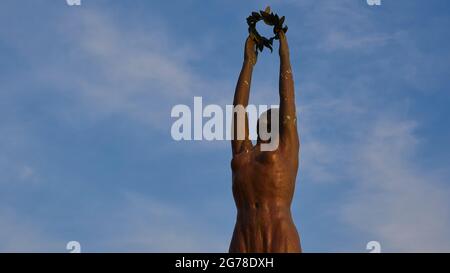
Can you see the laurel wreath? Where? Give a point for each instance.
(271, 19)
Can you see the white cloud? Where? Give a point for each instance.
(110, 68)
(145, 224)
(395, 200)
(27, 173)
(372, 155)
(336, 40)
(340, 25)
(14, 164)
(21, 235)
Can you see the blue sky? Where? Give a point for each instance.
(85, 146)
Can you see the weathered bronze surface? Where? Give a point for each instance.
(264, 181)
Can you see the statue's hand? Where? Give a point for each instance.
(250, 51)
(282, 35)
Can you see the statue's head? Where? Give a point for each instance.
(268, 126)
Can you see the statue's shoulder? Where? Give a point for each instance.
(241, 159)
(244, 157)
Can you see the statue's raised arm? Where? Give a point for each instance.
(241, 140)
(288, 119)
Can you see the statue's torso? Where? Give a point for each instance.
(263, 187)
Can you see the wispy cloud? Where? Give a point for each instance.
(359, 141)
(395, 200)
(146, 224)
(19, 234)
(336, 40)
(135, 73)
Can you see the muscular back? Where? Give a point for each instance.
(262, 178)
(263, 187)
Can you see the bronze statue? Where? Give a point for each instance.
(264, 181)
